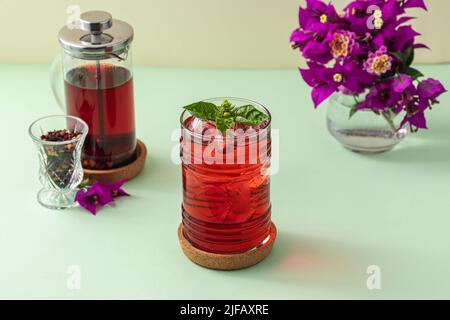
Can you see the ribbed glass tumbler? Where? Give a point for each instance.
(226, 184)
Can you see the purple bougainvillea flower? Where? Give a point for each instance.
(420, 100)
(415, 113)
(343, 44)
(369, 47)
(317, 21)
(430, 89)
(390, 10)
(95, 196)
(99, 195)
(366, 17)
(356, 79)
(347, 77)
(401, 83)
(356, 16)
(325, 81)
(317, 77)
(402, 38)
(380, 20)
(415, 4)
(381, 97)
(310, 48)
(396, 39)
(415, 117)
(319, 51)
(116, 190)
(318, 18)
(301, 38)
(379, 62)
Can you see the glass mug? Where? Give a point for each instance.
(97, 86)
(226, 204)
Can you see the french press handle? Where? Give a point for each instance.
(57, 81)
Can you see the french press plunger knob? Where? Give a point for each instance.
(95, 22)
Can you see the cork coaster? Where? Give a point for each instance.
(127, 172)
(233, 261)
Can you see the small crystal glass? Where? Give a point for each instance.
(60, 161)
(364, 132)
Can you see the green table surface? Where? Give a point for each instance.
(337, 212)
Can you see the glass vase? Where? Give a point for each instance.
(60, 171)
(365, 131)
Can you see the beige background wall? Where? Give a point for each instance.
(191, 33)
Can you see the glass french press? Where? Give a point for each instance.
(98, 87)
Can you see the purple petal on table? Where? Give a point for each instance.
(115, 189)
(93, 197)
(86, 201)
(102, 192)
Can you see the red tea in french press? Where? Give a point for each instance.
(98, 86)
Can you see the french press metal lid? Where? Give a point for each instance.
(96, 36)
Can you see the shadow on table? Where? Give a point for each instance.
(160, 172)
(314, 263)
(426, 152)
(432, 146)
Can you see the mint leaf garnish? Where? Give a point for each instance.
(249, 115)
(203, 110)
(227, 114)
(223, 124)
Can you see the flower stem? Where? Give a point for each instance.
(390, 121)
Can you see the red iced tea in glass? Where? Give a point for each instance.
(102, 95)
(226, 184)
